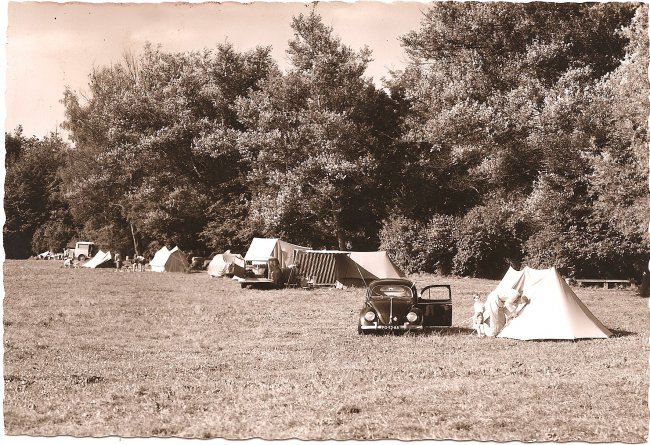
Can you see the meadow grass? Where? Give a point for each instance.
(97, 353)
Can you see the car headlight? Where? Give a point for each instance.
(411, 317)
(369, 316)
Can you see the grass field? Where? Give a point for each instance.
(96, 353)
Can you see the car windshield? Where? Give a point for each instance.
(392, 290)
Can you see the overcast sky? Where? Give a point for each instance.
(50, 46)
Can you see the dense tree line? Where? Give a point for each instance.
(516, 134)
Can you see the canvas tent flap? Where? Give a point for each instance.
(100, 259)
(159, 258)
(361, 267)
(554, 311)
(166, 260)
(511, 279)
(376, 264)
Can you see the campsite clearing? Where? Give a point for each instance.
(98, 352)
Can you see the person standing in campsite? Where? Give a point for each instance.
(118, 261)
(477, 318)
(502, 305)
(139, 262)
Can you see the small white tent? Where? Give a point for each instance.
(262, 249)
(554, 311)
(225, 264)
(101, 259)
(166, 260)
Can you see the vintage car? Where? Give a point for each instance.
(394, 305)
(262, 274)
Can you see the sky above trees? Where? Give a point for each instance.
(51, 46)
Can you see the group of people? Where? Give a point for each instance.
(499, 307)
(136, 264)
(69, 262)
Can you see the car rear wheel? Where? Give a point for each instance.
(81, 257)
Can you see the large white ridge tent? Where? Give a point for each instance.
(554, 311)
(166, 260)
(101, 259)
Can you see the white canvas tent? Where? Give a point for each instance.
(261, 249)
(101, 259)
(166, 260)
(225, 264)
(554, 311)
(360, 267)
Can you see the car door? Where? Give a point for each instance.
(435, 302)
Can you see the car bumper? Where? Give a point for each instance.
(388, 328)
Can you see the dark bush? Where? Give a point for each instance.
(487, 241)
(418, 247)
(402, 239)
(439, 244)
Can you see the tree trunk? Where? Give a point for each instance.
(340, 237)
(136, 243)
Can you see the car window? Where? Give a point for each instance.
(392, 290)
(434, 293)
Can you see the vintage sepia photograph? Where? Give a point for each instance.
(326, 220)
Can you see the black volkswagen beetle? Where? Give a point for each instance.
(394, 305)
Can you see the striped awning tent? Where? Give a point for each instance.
(331, 267)
(320, 265)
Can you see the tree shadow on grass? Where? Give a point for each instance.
(448, 331)
(615, 334)
(455, 331)
(437, 331)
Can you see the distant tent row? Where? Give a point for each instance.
(325, 267)
(554, 311)
(165, 260)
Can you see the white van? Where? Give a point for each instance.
(84, 250)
